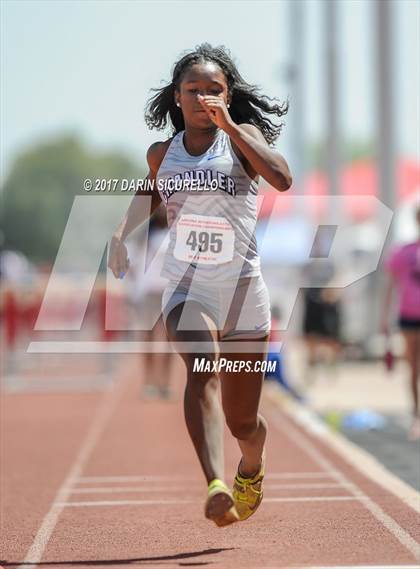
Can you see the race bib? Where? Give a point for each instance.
(204, 239)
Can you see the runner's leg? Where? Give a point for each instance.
(202, 409)
(241, 393)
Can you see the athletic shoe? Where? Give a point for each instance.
(248, 492)
(220, 506)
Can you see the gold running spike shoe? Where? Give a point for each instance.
(248, 492)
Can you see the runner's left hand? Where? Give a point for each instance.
(216, 109)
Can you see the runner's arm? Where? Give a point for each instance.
(266, 162)
(138, 212)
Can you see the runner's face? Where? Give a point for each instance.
(200, 79)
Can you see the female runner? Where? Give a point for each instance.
(207, 175)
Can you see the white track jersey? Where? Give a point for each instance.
(211, 206)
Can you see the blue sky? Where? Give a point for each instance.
(87, 67)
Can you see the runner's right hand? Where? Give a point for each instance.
(118, 260)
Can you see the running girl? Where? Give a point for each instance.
(221, 131)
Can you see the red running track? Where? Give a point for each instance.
(105, 479)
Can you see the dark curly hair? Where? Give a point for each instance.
(247, 104)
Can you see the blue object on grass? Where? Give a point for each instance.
(363, 420)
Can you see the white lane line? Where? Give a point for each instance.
(297, 475)
(344, 567)
(101, 417)
(305, 486)
(300, 440)
(139, 478)
(122, 503)
(358, 567)
(93, 503)
(128, 489)
(159, 478)
(360, 459)
(312, 499)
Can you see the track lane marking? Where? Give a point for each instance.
(345, 567)
(159, 478)
(307, 446)
(361, 460)
(103, 413)
(128, 489)
(356, 567)
(93, 503)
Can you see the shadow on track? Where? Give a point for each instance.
(105, 562)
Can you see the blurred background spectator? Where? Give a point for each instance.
(145, 289)
(403, 268)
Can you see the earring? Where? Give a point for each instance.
(228, 106)
(178, 104)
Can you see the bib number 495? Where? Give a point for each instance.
(205, 241)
